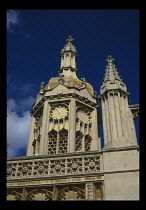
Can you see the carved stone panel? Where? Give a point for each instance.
(69, 193)
(39, 194)
(86, 163)
(14, 194)
(98, 191)
(90, 191)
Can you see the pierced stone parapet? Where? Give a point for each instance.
(50, 166)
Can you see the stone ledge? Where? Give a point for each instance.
(120, 149)
(122, 171)
(52, 166)
(56, 176)
(55, 155)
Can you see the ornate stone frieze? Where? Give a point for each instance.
(62, 96)
(52, 166)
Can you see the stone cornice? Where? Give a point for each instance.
(53, 166)
(120, 149)
(113, 91)
(135, 110)
(55, 155)
(65, 97)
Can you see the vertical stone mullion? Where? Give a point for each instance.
(32, 172)
(23, 194)
(57, 143)
(132, 128)
(31, 138)
(126, 118)
(113, 118)
(110, 116)
(65, 165)
(49, 167)
(72, 126)
(104, 121)
(107, 119)
(120, 102)
(83, 140)
(35, 146)
(16, 169)
(118, 118)
(95, 145)
(89, 191)
(44, 135)
(123, 116)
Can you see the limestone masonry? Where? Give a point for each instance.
(64, 158)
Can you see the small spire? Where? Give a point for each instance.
(112, 77)
(70, 39)
(42, 87)
(110, 59)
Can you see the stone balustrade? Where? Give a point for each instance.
(50, 165)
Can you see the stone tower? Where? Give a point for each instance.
(121, 152)
(118, 124)
(64, 116)
(64, 157)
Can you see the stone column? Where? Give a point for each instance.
(123, 116)
(104, 118)
(113, 117)
(31, 138)
(95, 145)
(90, 191)
(44, 132)
(72, 121)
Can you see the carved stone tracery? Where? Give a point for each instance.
(63, 141)
(89, 191)
(39, 194)
(88, 140)
(58, 138)
(52, 142)
(71, 193)
(14, 195)
(79, 139)
(66, 165)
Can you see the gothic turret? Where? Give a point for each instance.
(68, 59)
(65, 116)
(112, 79)
(118, 124)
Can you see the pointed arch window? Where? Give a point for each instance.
(63, 140)
(88, 142)
(52, 142)
(79, 140)
(58, 141)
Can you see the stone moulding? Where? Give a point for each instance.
(62, 96)
(24, 168)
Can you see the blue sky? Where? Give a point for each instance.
(34, 41)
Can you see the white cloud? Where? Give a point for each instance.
(17, 132)
(26, 88)
(26, 103)
(12, 105)
(18, 127)
(12, 19)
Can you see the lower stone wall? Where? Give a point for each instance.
(121, 173)
(109, 174)
(121, 186)
(64, 192)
